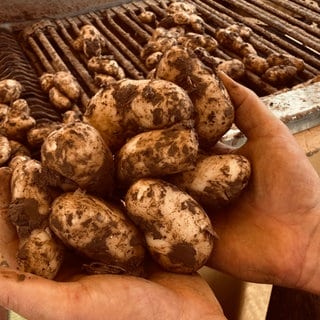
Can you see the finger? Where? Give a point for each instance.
(252, 117)
(30, 296)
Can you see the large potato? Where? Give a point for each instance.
(214, 110)
(178, 233)
(128, 107)
(77, 152)
(98, 230)
(157, 153)
(216, 180)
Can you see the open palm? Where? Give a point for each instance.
(267, 234)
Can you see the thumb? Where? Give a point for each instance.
(31, 296)
(252, 116)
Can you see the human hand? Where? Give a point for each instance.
(161, 295)
(271, 234)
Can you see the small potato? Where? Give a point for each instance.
(5, 150)
(77, 152)
(280, 75)
(46, 81)
(106, 65)
(216, 180)
(213, 107)
(157, 153)
(99, 230)
(277, 59)
(31, 198)
(90, 41)
(255, 63)
(40, 131)
(178, 232)
(67, 84)
(59, 100)
(18, 120)
(234, 68)
(40, 254)
(148, 17)
(128, 107)
(10, 90)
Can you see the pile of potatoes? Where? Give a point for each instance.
(134, 176)
(182, 26)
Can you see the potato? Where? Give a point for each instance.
(31, 198)
(234, 68)
(10, 90)
(277, 59)
(280, 75)
(214, 110)
(18, 120)
(216, 180)
(128, 107)
(178, 232)
(40, 254)
(5, 149)
(59, 100)
(106, 65)
(90, 41)
(255, 63)
(98, 230)
(40, 131)
(46, 81)
(77, 152)
(156, 153)
(67, 84)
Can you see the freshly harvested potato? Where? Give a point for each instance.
(90, 41)
(67, 84)
(10, 90)
(147, 17)
(46, 81)
(156, 153)
(77, 152)
(234, 68)
(280, 75)
(40, 254)
(31, 198)
(178, 232)
(40, 131)
(5, 149)
(214, 110)
(216, 180)
(106, 65)
(98, 230)
(255, 63)
(59, 100)
(277, 59)
(128, 107)
(18, 120)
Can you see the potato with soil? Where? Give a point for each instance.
(40, 254)
(216, 180)
(128, 107)
(77, 152)
(214, 110)
(31, 198)
(98, 230)
(10, 90)
(156, 153)
(178, 233)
